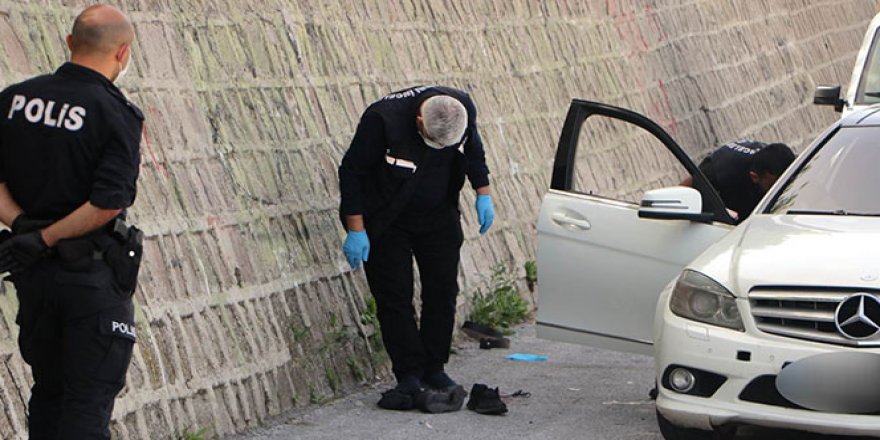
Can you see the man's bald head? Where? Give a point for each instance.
(100, 30)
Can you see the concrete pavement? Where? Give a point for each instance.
(578, 393)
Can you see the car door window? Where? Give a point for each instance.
(615, 153)
(619, 160)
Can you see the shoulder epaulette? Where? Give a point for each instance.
(130, 105)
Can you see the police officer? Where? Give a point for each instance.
(69, 157)
(743, 171)
(400, 181)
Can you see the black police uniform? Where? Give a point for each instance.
(408, 194)
(727, 169)
(66, 139)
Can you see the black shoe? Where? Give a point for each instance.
(441, 401)
(398, 399)
(487, 343)
(479, 331)
(485, 400)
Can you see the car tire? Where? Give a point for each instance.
(673, 432)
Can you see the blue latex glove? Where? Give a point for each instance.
(485, 212)
(356, 248)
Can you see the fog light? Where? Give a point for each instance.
(682, 380)
(691, 381)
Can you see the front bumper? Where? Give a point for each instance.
(744, 358)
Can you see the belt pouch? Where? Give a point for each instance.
(124, 257)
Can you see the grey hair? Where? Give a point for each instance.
(444, 118)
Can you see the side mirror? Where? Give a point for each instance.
(674, 203)
(829, 96)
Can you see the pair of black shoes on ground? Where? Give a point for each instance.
(442, 395)
(405, 396)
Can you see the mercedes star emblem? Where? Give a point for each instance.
(858, 316)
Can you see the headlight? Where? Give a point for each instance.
(701, 298)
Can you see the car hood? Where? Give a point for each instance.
(797, 250)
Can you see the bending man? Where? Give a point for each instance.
(400, 182)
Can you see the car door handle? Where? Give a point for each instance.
(563, 219)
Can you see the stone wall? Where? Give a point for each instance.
(246, 307)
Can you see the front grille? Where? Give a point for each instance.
(804, 314)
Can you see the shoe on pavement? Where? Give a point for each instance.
(487, 343)
(399, 398)
(479, 331)
(441, 401)
(485, 400)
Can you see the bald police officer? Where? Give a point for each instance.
(400, 182)
(69, 158)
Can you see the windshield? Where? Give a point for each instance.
(841, 178)
(869, 83)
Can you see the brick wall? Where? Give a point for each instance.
(246, 307)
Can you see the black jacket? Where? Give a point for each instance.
(727, 169)
(372, 185)
(68, 138)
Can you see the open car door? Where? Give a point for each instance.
(602, 266)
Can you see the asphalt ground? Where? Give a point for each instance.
(577, 393)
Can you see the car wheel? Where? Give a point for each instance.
(673, 432)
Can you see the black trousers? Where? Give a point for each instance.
(423, 348)
(76, 333)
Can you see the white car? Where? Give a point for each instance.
(774, 322)
(864, 86)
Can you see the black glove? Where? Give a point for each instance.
(24, 224)
(22, 251)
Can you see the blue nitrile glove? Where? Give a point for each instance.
(485, 212)
(356, 248)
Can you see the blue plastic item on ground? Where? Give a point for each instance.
(525, 357)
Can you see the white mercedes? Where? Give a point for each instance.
(773, 322)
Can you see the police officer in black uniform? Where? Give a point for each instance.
(743, 171)
(69, 158)
(400, 182)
